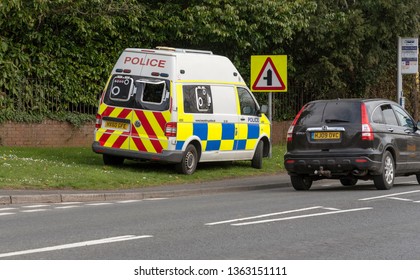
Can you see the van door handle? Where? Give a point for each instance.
(390, 129)
(242, 119)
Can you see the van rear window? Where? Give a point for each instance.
(138, 93)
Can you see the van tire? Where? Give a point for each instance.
(112, 160)
(189, 161)
(385, 181)
(257, 160)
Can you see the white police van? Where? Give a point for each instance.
(181, 106)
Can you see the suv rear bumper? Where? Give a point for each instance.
(337, 165)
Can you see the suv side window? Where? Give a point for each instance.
(389, 115)
(377, 116)
(403, 117)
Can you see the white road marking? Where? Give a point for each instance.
(99, 204)
(157, 198)
(263, 216)
(35, 206)
(128, 201)
(303, 216)
(7, 209)
(399, 198)
(388, 195)
(34, 210)
(68, 203)
(6, 213)
(67, 207)
(75, 245)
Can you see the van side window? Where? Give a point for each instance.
(198, 99)
(247, 103)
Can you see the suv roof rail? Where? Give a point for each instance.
(183, 50)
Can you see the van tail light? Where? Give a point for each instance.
(292, 126)
(98, 122)
(170, 129)
(367, 132)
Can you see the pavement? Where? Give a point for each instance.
(217, 186)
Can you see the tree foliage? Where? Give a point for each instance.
(336, 48)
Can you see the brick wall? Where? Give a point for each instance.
(46, 134)
(61, 134)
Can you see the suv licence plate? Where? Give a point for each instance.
(326, 135)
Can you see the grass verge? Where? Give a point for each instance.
(82, 169)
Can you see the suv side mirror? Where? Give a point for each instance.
(263, 109)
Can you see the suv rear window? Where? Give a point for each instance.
(330, 112)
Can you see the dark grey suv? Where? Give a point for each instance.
(351, 140)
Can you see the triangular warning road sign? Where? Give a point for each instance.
(268, 78)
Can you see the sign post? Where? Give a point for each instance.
(408, 51)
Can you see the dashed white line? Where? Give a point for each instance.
(7, 209)
(6, 213)
(99, 204)
(34, 210)
(35, 206)
(75, 245)
(68, 207)
(127, 201)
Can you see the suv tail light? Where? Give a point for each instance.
(292, 126)
(367, 132)
(98, 122)
(170, 129)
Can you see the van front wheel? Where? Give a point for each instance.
(189, 161)
(257, 160)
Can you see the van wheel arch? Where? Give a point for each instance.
(267, 146)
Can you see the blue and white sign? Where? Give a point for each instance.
(409, 55)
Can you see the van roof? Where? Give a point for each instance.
(186, 65)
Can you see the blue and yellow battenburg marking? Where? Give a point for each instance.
(220, 136)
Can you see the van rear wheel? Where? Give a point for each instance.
(112, 160)
(189, 161)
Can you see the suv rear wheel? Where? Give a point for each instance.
(385, 181)
(301, 182)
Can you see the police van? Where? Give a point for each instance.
(179, 106)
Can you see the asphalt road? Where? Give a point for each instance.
(328, 222)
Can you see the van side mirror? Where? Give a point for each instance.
(263, 109)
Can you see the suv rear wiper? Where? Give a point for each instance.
(335, 120)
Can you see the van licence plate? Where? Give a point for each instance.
(326, 135)
(116, 125)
